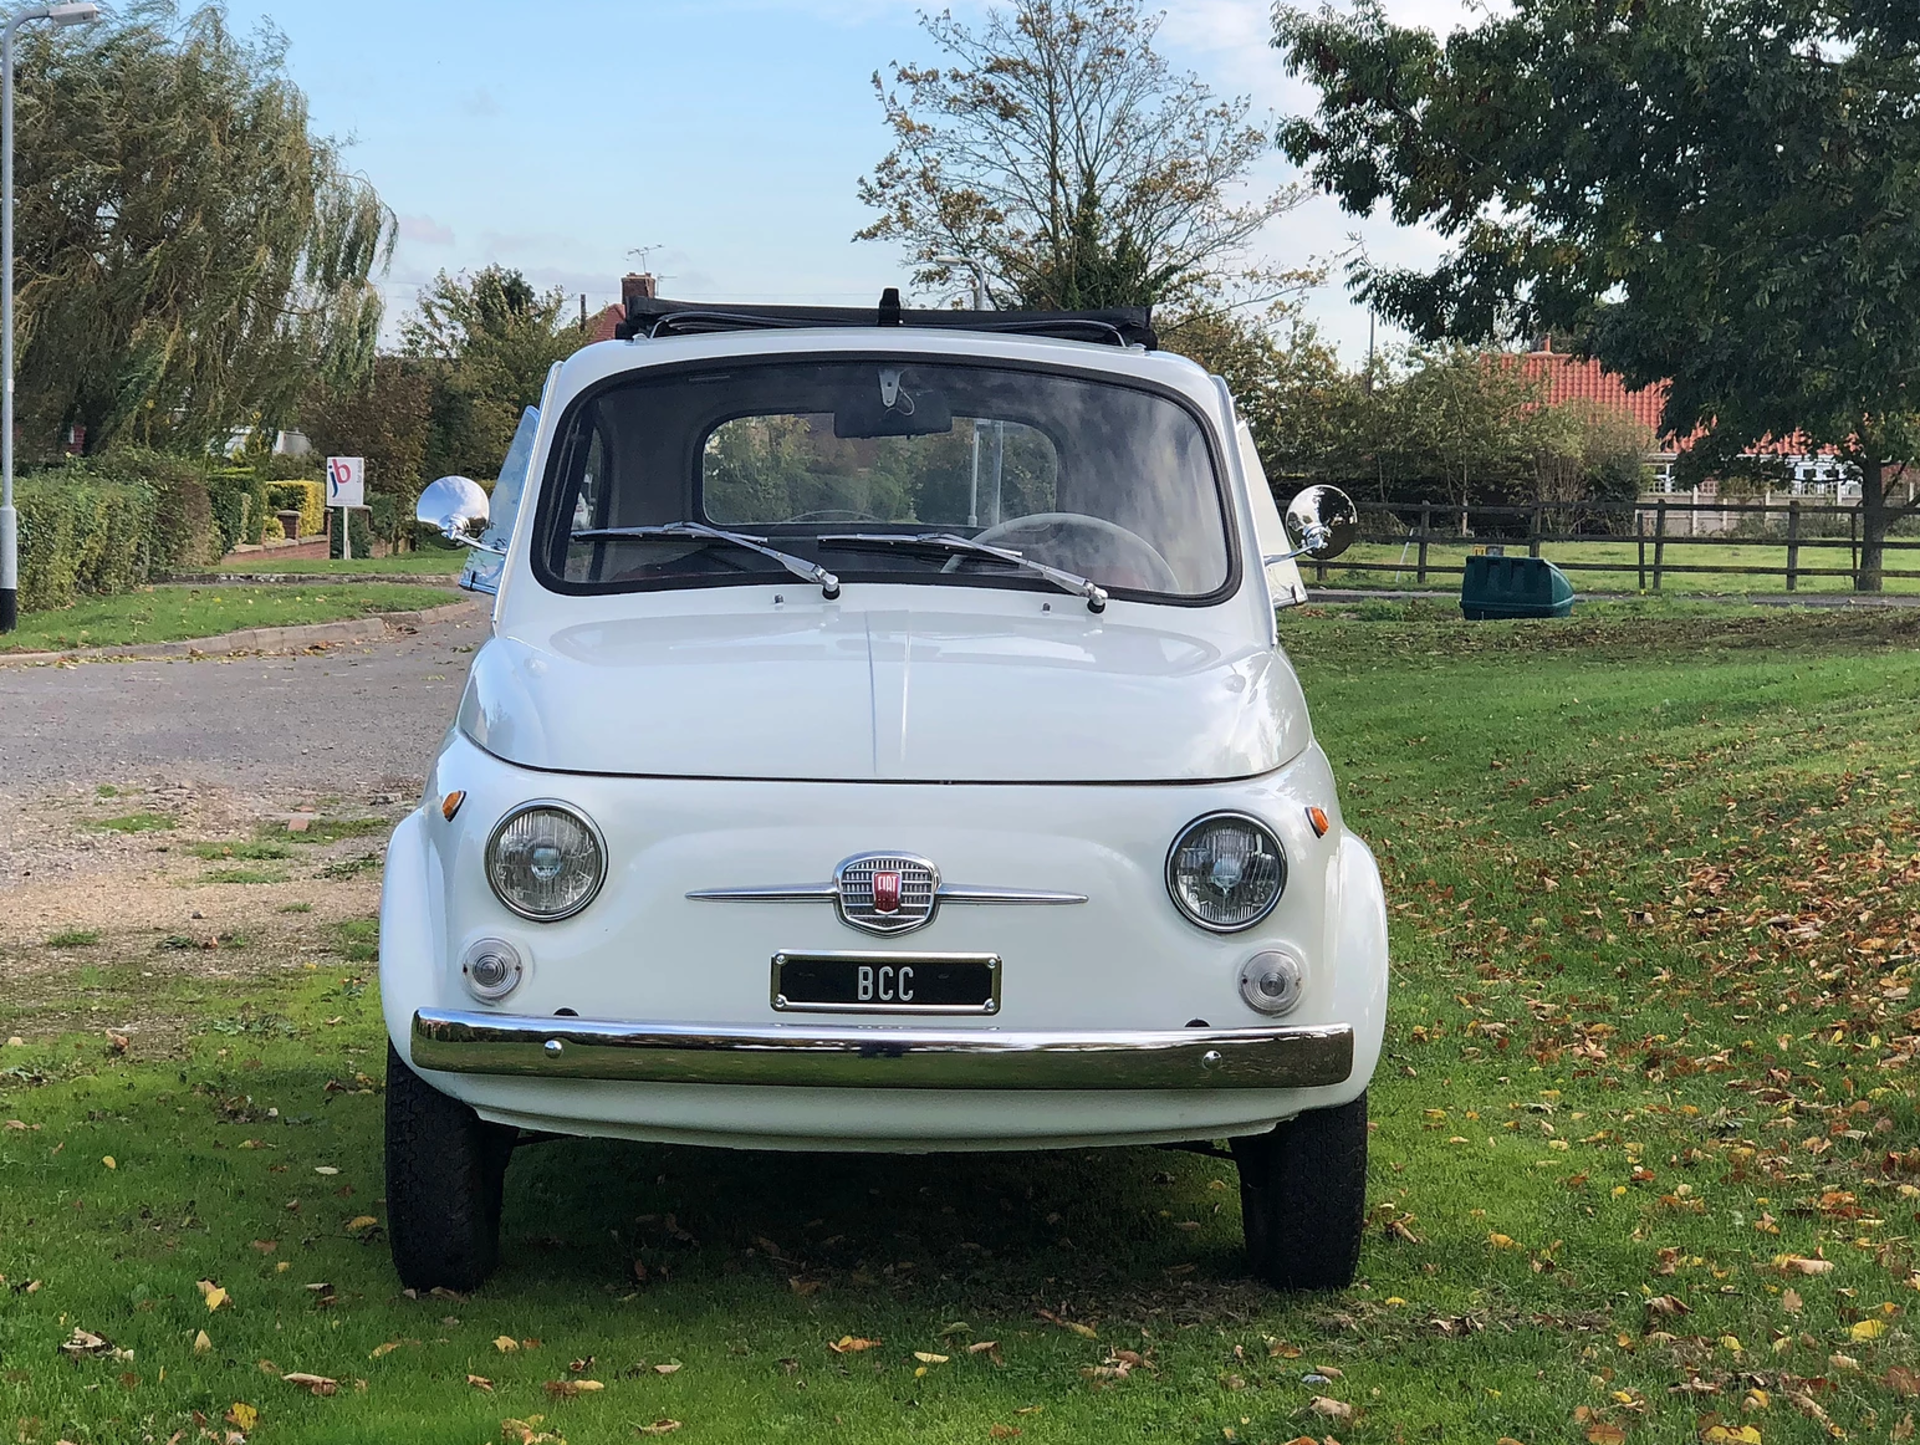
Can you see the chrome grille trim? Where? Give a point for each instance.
(853, 891)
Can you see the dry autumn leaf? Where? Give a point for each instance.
(1867, 1330)
(1331, 1408)
(1605, 1432)
(504, 1343)
(108, 1160)
(674, 1366)
(242, 1416)
(567, 1389)
(659, 1427)
(1002, 1432)
(480, 1382)
(201, 1344)
(851, 1345)
(1790, 1301)
(212, 1294)
(1800, 1264)
(929, 1359)
(1717, 1434)
(314, 1384)
(360, 1222)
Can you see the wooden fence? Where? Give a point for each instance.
(1652, 527)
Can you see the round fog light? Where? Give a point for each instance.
(1272, 982)
(491, 968)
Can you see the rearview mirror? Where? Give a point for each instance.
(454, 507)
(894, 410)
(1321, 523)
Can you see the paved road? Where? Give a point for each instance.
(351, 718)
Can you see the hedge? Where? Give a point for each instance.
(79, 533)
(308, 498)
(239, 497)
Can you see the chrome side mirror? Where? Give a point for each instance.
(1321, 523)
(455, 507)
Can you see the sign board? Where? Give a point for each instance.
(346, 482)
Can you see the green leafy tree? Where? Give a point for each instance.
(487, 341)
(190, 253)
(1059, 151)
(1719, 193)
(383, 418)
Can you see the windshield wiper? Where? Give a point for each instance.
(799, 566)
(1095, 594)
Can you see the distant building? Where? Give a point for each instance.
(633, 284)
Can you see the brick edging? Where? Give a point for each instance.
(253, 639)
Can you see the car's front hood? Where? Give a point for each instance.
(942, 697)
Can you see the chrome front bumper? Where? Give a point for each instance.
(460, 1042)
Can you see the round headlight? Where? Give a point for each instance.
(1226, 871)
(545, 861)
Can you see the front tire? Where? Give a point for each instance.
(1303, 1197)
(446, 1172)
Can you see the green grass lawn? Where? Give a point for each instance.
(428, 562)
(168, 614)
(1645, 1161)
(1622, 560)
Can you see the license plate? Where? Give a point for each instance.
(926, 983)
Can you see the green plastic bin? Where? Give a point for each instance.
(1514, 587)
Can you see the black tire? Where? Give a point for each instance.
(446, 1169)
(1303, 1197)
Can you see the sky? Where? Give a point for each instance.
(718, 142)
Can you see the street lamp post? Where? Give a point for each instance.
(64, 14)
(979, 304)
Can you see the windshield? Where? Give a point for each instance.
(859, 465)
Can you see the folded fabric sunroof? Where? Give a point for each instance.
(652, 316)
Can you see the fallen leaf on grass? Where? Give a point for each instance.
(1800, 1264)
(527, 1431)
(979, 1347)
(480, 1382)
(212, 1294)
(108, 1160)
(504, 1343)
(929, 1359)
(85, 1342)
(1666, 1304)
(1086, 1332)
(388, 1348)
(1331, 1408)
(847, 1345)
(241, 1415)
(360, 1222)
(1605, 1432)
(675, 1365)
(1902, 1381)
(1002, 1432)
(325, 1169)
(1718, 1434)
(201, 1344)
(659, 1427)
(1867, 1330)
(567, 1389)
(1790, 1301)
(316, 1384)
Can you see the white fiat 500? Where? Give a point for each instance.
(883, 743)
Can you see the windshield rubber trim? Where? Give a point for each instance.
(543, 521)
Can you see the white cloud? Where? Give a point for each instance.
(425, 230)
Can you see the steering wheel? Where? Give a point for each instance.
(1076, 542)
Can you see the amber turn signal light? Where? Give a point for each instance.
(450, 804)
(1315, 816)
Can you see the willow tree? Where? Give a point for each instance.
(1059, 151)
(191, 254)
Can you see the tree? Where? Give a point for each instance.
(1060, 152)
(487, 340)
(190, 253)
(1715, 193)
(383, 419)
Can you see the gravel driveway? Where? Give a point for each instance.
(349, 719)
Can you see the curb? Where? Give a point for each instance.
(253, 639)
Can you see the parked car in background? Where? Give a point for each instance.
(884, 743)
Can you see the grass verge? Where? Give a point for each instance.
(426, 563)
(1644, 1165)
(171, 614)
